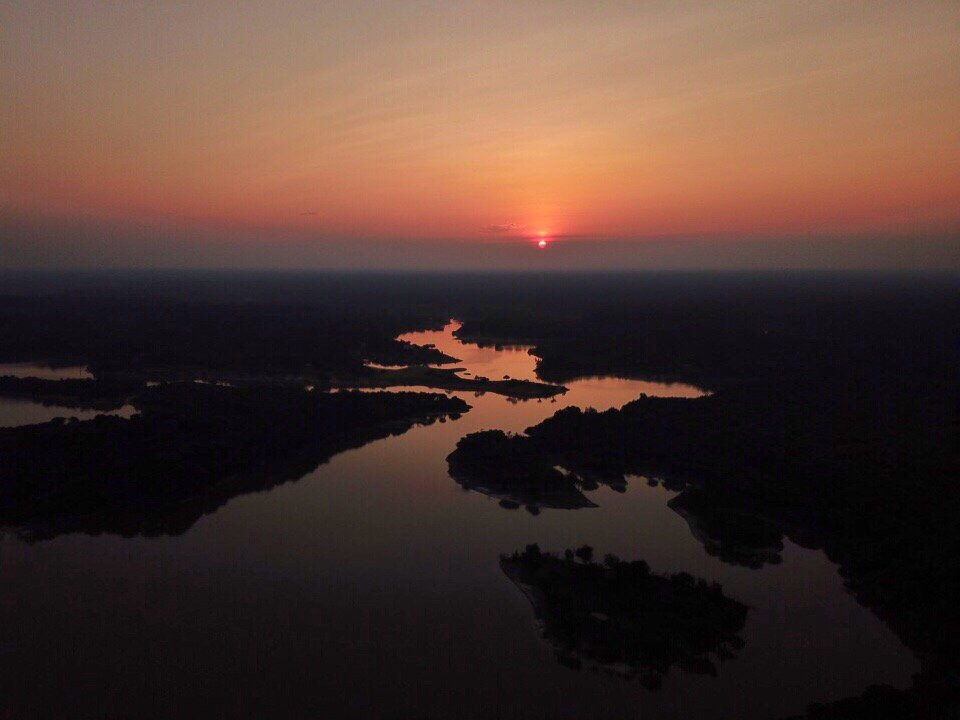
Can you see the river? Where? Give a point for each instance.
(371, 588)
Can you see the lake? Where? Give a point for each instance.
(372, 588)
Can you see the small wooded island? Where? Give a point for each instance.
(622, 618)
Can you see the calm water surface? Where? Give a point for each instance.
(26, 412)
(371, 588)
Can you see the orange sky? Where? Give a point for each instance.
(484, 120)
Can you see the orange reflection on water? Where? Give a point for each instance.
(496, 411)
(490, 362)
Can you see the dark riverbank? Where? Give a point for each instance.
(190, 448)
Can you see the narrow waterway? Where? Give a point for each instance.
(14, 412)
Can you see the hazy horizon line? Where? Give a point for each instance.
(31, 243)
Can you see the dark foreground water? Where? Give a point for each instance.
(371, 588)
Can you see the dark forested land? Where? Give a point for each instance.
(190, 448)
(83, 394)
(514, 470)
(621, 617)
(212, 327)
(710, 330)
(700, 328)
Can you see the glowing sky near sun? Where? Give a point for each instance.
(484, 120)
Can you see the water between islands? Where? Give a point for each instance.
(371, 588)
(14, 412)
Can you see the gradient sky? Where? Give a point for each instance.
(382, 133)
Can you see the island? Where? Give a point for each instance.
(620, 617)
